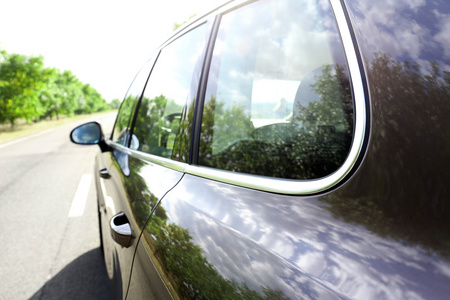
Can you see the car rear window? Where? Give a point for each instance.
(278, 100)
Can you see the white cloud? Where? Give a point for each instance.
(443, 37)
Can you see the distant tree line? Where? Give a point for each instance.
(32, 92)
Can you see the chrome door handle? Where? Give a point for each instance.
(121, 231)
(104, 173)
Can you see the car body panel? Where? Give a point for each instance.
(295, 246)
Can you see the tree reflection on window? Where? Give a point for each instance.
(312, 142)
(157, 125)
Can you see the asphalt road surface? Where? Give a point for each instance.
(49, 238)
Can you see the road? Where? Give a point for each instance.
(49, 239)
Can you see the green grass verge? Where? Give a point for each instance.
(21, 129)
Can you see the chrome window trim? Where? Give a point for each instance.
(118, 146)
(162, 161)
(299, 187)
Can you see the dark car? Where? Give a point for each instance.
(289, 149)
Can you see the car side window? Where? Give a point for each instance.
(278, 100)
(167, 92)
(128, 106)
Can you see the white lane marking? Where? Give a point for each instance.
(79, 201)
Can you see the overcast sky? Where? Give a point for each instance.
(103, 42)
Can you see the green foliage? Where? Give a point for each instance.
(30, 91)
(21, 81)
(94, 101)
(157, 124)
(114, 104)
(123, 118)
(226, 121)
(181, 149)
(335, 107)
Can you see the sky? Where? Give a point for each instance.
(103, 42)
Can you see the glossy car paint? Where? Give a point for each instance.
(382, 233)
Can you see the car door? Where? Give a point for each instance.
(161, 136)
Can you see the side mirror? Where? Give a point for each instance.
(89, 134)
